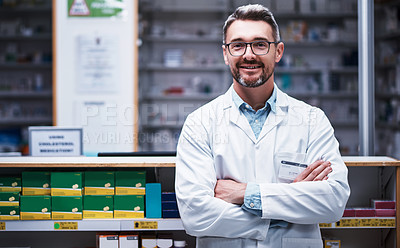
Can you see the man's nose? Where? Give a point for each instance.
(249, 53)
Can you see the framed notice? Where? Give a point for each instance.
(55, 141)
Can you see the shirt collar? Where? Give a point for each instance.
(271, 101)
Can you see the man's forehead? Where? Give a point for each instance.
(249, 30)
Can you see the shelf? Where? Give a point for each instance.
(183, 39)
(321, 44)
(25, 9)
(392, 126)
(323, 96)
(388, 96)
(194, 68)
(26, 121)
(197, 97)
(34, 37)
(184, 10)
(23, 66)
(356, 222)
(91, 225)
(370, 161)
(26, 94)
(86, 162)
(389, 36)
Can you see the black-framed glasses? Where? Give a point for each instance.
(259, 47)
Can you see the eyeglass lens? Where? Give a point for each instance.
(258, 48)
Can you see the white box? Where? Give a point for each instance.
(108, 241)
(128, 241)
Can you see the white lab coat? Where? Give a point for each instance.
(217, 142)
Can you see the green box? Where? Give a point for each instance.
(129, 206)
(35, 207)
(9, 213)
(9, 198)
(66, 207)
(35, 183)
(10, 184)
(99, 183)
(98, 206)
(66, 183)
(130, 182)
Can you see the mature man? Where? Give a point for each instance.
(240, 177)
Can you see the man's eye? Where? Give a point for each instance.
(237, 45)
(260, 44)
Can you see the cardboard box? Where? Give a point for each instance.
(36, 207)
(332, 243)
(149, 241)
(170, 214)
(168, 196)
(383, 204)
(35, 183)
(107, 240)
(66, 183)
(365, 212)
(153, 200)
(128, 240)
(9, 213)
(128, 206)
(99, 183)
(10, 184)
(349, 212)
(385, 212)
(130, 182)
(9, 198)
(98, 207)
(66, 207)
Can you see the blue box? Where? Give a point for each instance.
(168, 196)
(169, 205)
(170, 214)
(153, 200)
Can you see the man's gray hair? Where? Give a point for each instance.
(253, 12)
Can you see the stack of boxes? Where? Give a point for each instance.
(10, 188)
(380, 208)
(83, 195)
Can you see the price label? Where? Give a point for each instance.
(2, 225)
(66, 225)
(348, 223)
(325, 225)
(388, 222)
(146, 225)
(370, 222)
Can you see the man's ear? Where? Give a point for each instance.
(280, 47)
(224, 51)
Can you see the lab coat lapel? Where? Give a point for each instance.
(236, 117)
(274, 119)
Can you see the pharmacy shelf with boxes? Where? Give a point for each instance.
(77, 195)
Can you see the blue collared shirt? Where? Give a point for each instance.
(256, 119)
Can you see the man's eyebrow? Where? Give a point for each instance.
(255, 39)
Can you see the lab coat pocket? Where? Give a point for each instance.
(289, 165)
(301, 243)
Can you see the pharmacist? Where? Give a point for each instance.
(255, 167)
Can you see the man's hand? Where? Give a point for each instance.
(230, 191)
(316, 171)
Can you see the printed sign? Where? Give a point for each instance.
(96, 8)
(55, 141)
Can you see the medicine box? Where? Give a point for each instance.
(149, 241)
(35, 183)
(10, 184)
(153, 200)
(383, 204)
(127, 240)
(66, 183)
(107, 240)
(35, 207)
(66, 207)
(128, 206)
(130, 182)
(98, 206)
(9, 213)
(9, 198)
(332, 244)
(99, 183)
(385, 212)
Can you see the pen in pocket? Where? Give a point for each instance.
(294, 164)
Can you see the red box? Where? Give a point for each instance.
(384, 204)
(349, 212)
(365, 212)
(385, 212)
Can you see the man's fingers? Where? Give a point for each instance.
(323, 174)
(318, 171)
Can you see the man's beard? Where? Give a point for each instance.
(265, 75)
